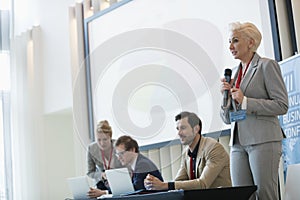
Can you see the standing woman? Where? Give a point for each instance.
(259, 90)
(101, 154)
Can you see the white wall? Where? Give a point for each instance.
(52, 17)
(45, 147)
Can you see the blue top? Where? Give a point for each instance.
(143, 167)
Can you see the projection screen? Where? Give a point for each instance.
(149, 60)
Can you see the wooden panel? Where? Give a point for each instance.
(145, 153)
(225, 142)
(175, 153)
(166, 163)
(154, 156)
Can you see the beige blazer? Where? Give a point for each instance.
(267, 98)
(212, 167)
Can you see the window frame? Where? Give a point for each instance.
(8, 168)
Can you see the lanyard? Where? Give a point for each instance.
(241, 74)
(104, 160)
(246, 68)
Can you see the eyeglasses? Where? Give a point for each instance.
(119, 154)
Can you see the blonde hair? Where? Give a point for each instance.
(104, 127)
(248, 30)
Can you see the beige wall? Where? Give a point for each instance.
(59, 159)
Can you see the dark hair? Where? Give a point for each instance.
(128, 142)
(193, 119)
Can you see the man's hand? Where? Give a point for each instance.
(94, 193)
(153, 183)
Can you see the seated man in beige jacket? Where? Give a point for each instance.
(205, 163)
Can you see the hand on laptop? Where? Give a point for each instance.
(103, 176)
(153, 183)
(94, 193)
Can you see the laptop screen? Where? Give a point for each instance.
(119, 181)
(79, 187)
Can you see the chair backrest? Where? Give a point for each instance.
(167, 158)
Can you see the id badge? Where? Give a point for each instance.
(237, 116)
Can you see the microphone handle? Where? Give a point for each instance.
(225, 98)
(225, 95)
(233, 105)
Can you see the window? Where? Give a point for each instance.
(5, 139)
(4, 71)
(2, 171)
(5, 135)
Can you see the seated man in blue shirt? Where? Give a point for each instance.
(127, 151)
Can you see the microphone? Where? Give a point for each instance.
(227, 75)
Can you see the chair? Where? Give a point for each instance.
(292, 191)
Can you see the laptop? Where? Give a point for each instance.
(292, 191)
(79, 187)
(119, 181)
